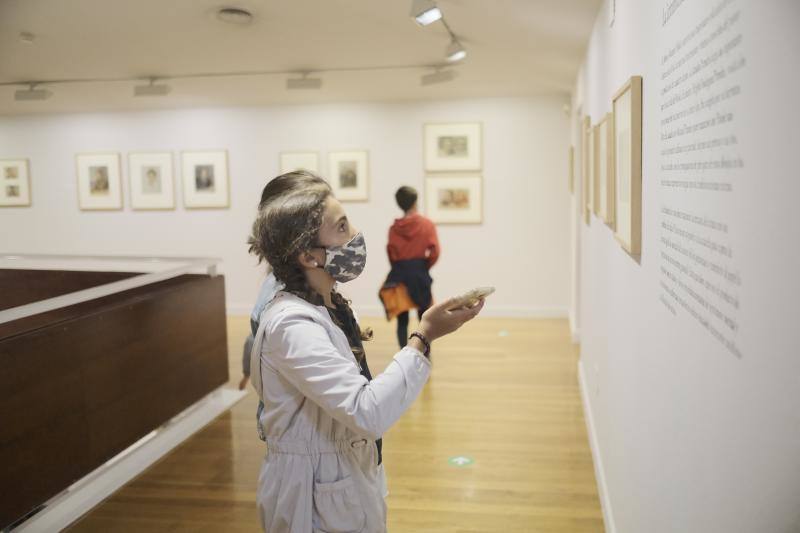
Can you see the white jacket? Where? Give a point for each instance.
(321, 419)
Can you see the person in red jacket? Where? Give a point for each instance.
(413, 249)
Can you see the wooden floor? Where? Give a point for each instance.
(503, 392)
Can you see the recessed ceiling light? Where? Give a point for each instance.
(235, 15)
(425, 12)
(455, 52)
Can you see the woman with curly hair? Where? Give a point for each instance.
(324, 413)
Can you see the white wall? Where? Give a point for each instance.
(522, 246)
(689, 434)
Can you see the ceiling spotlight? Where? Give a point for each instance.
(425, 12)
(152, 89)
(304, 83)
(235, 15)
(455, 52)
(31, 93)
(439, 76)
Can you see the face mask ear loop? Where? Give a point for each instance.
(316, 263)
(351, 240)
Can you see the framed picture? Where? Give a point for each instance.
(151, 183)
(589, 198)
(453, 147)
(454, 199)
(604, 169)
(205, 179)
(15, 184)
(599, 162)
(627, 112)
(587, 127)
(291, 161)
(571, 175)
(99, 182)
(348, 174)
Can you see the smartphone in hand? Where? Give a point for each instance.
(470, 298)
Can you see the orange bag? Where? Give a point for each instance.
(395, 300)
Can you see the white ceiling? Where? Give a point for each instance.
(515, 47)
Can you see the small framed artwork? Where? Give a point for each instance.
(205, 179)
(571, 171)
(454, 199)
(291, 161)
(589, 198)
(585, 166)
(349, 175)
(627, 113)
(151, 183)
(453, 147)
(598, 162)
(604, 170)
(99, 182)
(15, 185)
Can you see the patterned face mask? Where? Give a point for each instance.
(345, 263)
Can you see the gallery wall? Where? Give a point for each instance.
(689, 366)
(522, 246)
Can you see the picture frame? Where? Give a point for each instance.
(598, 160)
(571, 169)
(150, 180)
(205, 179)
(627, 112)
(454, 199)
(589, 196)
(99, 181)
(291, 161)
(585, 165)
(604, 170)
(15, 183)
(453, 147)
(348, 174)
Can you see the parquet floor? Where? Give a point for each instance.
(503, 394)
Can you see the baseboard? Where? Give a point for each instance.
(599, 471)
(575, 333)
(67, 507)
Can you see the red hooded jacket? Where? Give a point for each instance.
(413, 237)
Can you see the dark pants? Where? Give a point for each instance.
(402, 326)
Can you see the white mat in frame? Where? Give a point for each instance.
(15, 185)
(151, 181)
(205, 179)
(348, 174)
(454, 199)
(99, 181)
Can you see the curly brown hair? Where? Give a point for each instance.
(288, 222)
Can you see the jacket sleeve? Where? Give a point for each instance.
(391, 249)
(302, 352)
(248, 347)
(433, 246)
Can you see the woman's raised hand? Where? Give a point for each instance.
(441, 319)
